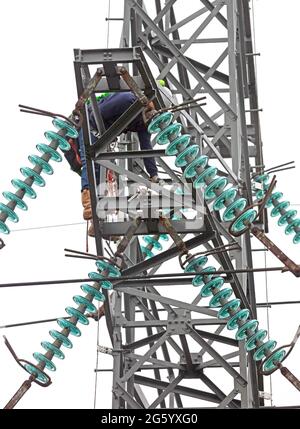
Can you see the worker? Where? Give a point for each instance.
(111, 107)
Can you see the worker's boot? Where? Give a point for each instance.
(86, 203)
(156, 179)
(91, 230)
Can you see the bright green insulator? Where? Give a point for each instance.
(215, 283)
(181, 141)
(81, 300)
(275, 196)
(290, 228)
(105, 284)
(260, 194)
(191, 151)
(53, 349)
(241, 316)
(218, 184)
(199, 279)
(62, 142)
(62, 338)
(265, 348)
(271, 362)
(107, 266)
(190, 170)
(296, 239)
(11, 215)
(95, 276)
(243, 221)
(222, 294)
(64, 323)
(249, 326)
(208, 174)
(151, 240)
(257, 337)
(12, 197)
(159, 121)
(172, 131)
(37, 179)
(44, 148)
(288, 215)
(281, 206)
(196, 263)
(4, 228)
(147, 252)
(93, 291)
(19, 184)
(232, 305)
(42, 358)
(37, 160)
(73, 312)
(40, 376)
(164, 237)
(226, 196)
(262, 178)
(237, 205)
(64, 125)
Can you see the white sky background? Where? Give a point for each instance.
(37, 41)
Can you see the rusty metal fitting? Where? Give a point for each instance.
(98, 315)
(148, 114)
(180, 244)
(285, 371)
(23, 363)
(91, 86)
(132, 85)
(128, 236)
(288, 262)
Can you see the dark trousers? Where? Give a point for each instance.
(111, 108)
(144, 145)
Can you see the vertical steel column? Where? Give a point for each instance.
(118, 361)
(130, 311)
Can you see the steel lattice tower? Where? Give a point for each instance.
(173, 342)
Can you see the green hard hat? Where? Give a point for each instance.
(102, 95)
(161, 82)
(99, 97)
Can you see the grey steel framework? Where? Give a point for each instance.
(168, 350)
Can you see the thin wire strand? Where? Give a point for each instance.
(97, 360)
(268, 315)
(108, 24)
(48, 226)
(265, 256)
